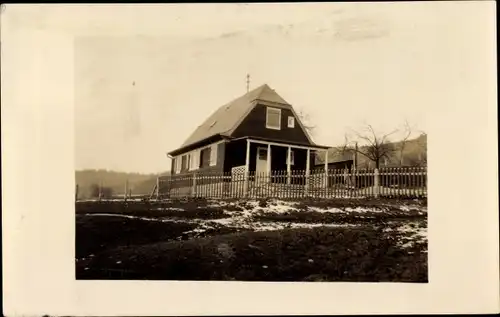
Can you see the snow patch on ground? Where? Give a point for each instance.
(330, 210)
(279, 207)
(282, 206)
(132, 217)
(244, 219)
(413, 234)
(224, 221)
(169, 209)
(409, 208)
(269, 226)
(365, 210)
(107, 200)
(405, 208)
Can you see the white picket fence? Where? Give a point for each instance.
(385, 182)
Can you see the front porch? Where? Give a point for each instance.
(264, 161)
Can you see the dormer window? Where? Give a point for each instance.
(291, 122)
(273, 118)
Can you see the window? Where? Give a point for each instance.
(292, 158)
(177, 163)
(273, 118)
(184, 163)
(291, 122)
(263, 154)
(197, 154)
(194, 160)
(191, 161)
(213, 155)
(204, 157)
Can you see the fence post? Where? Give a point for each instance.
(426, 176)
(307, 171)
(376, 183)
(126, 191)
(355, 178)
(193, 189)
(326, 171)
(100, 190)
(158, 188)
(245, 183)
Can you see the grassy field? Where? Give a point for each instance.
(253, 240)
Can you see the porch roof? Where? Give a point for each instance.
(284, 143)
(213, 138)
(219, 137)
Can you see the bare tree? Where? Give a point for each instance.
(376, 146)
(407, 134)
(305, 119)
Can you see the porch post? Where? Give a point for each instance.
(268, 167)
(326, 169)
(307, 170)
(247, 169)
(289, 165)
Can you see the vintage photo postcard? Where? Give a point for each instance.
(250, 158)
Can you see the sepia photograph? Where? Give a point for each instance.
(281, 152)
(190, 159)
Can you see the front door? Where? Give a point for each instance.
(261, 165)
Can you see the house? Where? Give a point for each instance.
(257, 133)
(338, 158)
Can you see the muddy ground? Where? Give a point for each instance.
(253, 240)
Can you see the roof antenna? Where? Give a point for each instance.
(248, 82)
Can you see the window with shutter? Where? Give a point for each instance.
(197, 159)
(213, 155)
(205, 157)
(184, 163)
(194, 160)
(177, 164)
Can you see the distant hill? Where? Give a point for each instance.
(146, 186)
(139, 183)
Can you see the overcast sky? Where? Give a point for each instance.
(344, 64)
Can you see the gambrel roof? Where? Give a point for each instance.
(227, 118)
